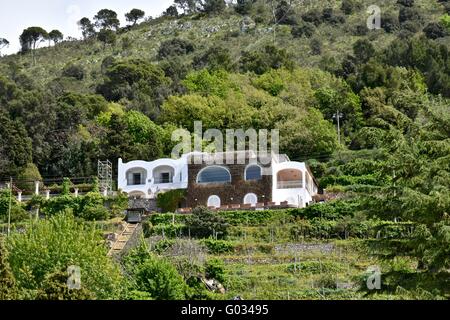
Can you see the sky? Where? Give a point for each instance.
(17, 15)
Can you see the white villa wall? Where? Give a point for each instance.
(296, 196)
(148, 190)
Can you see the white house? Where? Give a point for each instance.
(215, 185)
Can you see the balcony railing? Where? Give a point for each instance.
(163, 180)
(290, 184)
(136, 183)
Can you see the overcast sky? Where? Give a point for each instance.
(16, 15)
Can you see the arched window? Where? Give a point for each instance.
(214, 201)
(136, 176)
(163, 174)
(251, 198)
(214, 174)
(253, 172)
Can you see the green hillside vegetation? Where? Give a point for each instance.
(121, 92)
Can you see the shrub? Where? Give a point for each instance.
(8, 289)
(166, 230)
(262, 61)
(17, 211)
(54, 287)
(57, 243)
(215, 269)
(306, 29)
(406, 3)
(350, 6)
(204, 223)
(328, 210)
(160, 279)
(253, 218)
(327, 281)
(218, 246)
(162, 245)
(96, 213)
(169, 201)
(313, 16)
(59, 204)
(434, 30)
(408, 14)
(389, 22)
(27, 177)
(75, 71)
(175, 47)
(316, 46)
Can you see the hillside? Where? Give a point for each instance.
(263, 65)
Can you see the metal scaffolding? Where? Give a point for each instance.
(105, 176)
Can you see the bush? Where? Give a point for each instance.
(162, 246)
(175, 47)
(253, 218)
(389, 22)
(314, 16)
(17, 211)
(434, 30)
(406, 3)
(55, 288)
(166, 230)
(204, 223)
(408, 14)
(329, 210)
(57, 243)
(75, 71)
(316, 46)
(350, 6)
(218, 246)
(306, 29)
(8, 288)
(28, 176)
(97, 213)
(215, 269)
(262, 61)
(170, 201)
(160, 279)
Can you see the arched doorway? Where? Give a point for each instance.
(214, 201)
(251, 198)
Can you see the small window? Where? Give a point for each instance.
(214, 175)
(251, 198)
(165, 177)
(214, 201)
(136, 179)
(253, 172)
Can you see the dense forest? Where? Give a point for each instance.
(264, 64)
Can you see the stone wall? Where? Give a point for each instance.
(230, 193)
(149, 205)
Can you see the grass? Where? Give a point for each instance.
(284, 269)
(207, 32)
